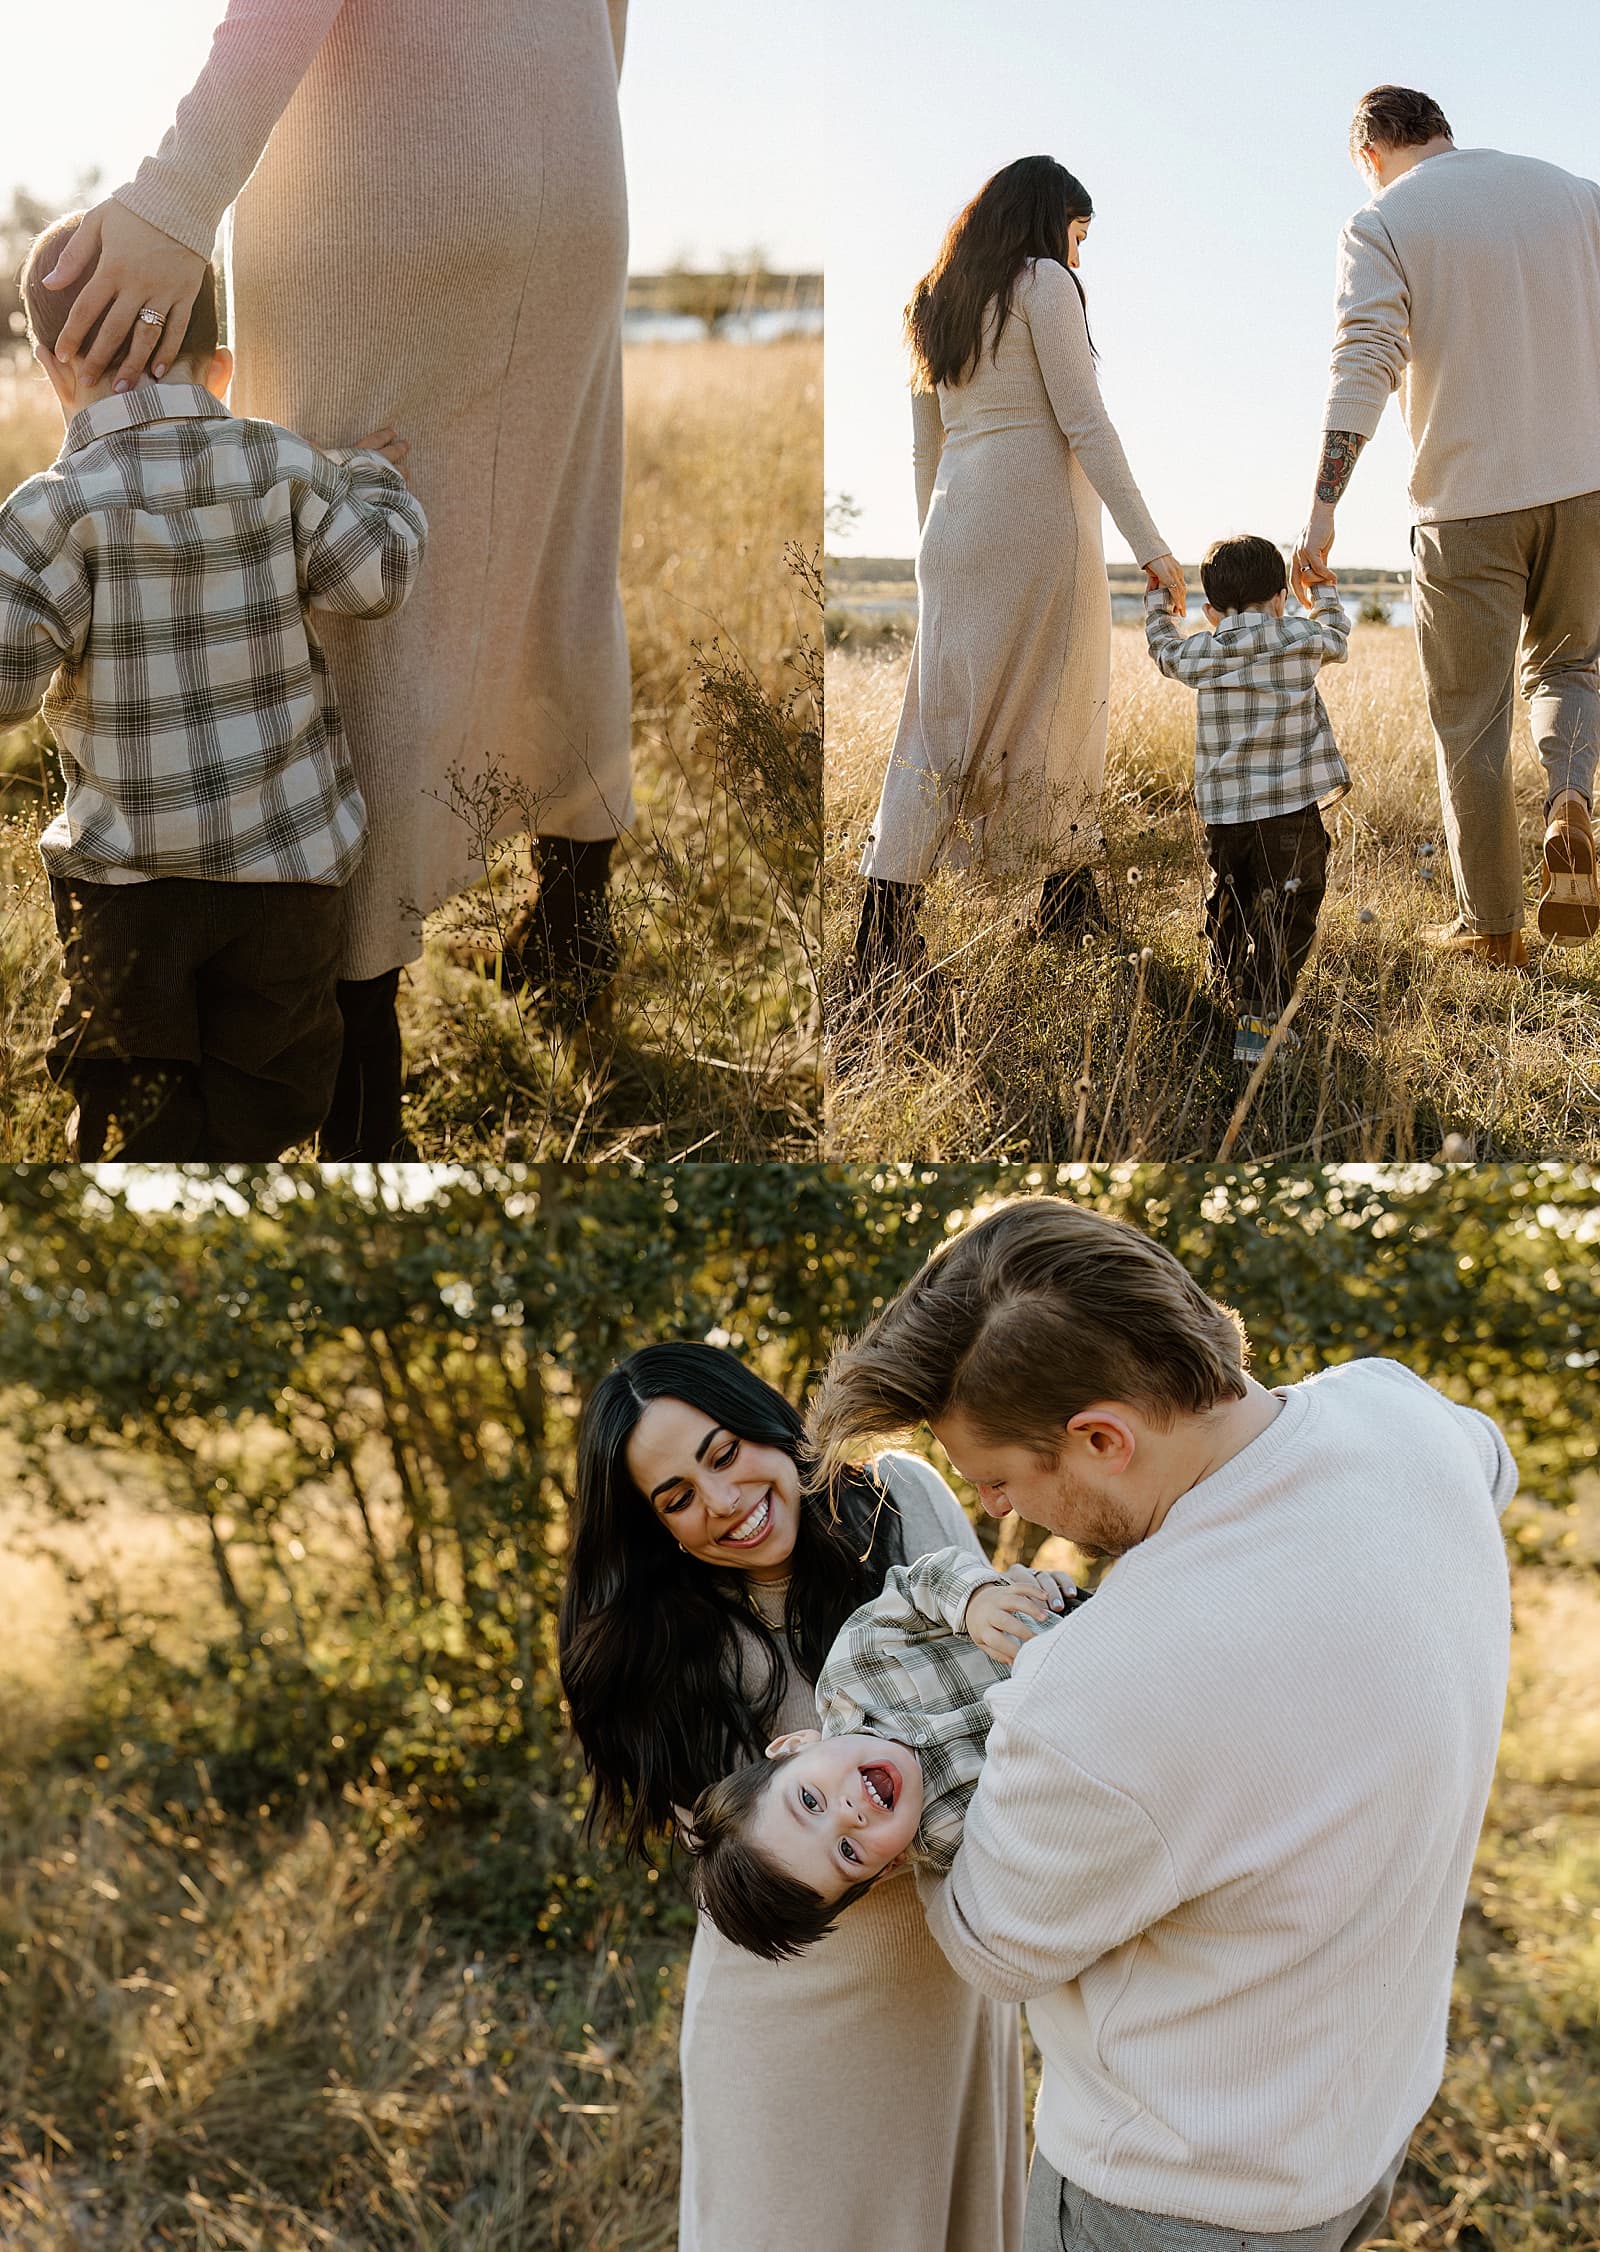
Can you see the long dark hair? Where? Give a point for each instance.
(655, 1659)
(1024, 212)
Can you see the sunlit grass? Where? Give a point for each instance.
(265, 2033)
(1123, 1049)
(710, 1042)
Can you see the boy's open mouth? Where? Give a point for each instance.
(882, 1786)
(752, 1528)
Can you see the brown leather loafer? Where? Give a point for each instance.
(1501, 950)
(1569, 906)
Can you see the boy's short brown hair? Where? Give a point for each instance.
(1023, 1321)
(753, 1902)
(1397, 117)
(1242, 569)
(47, 309)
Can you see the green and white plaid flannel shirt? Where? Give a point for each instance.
(1263, 743)
(903, 1667)
(156, 590)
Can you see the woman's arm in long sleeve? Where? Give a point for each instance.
(927, 445)
(259, 53)
(1054, 312)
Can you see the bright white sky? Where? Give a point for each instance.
(720, 109)
(1212, 141)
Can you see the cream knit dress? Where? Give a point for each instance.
(1001, 749)
(436, 236)
(860, 2094)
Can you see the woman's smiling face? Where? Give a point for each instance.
(728, 1500)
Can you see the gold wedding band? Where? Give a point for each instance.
(152, 318)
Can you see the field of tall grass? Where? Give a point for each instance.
(223, 2026)
(303, 1947)
(709, 1044)
(1123, 1048)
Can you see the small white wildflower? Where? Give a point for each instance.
(1455, 1149)
(1292, 884)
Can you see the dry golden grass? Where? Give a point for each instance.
(710, 1044)
(1122, 1050)
(220, 2032)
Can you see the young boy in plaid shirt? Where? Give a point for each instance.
(782, 1846)
(155, 590)
(1265, 762)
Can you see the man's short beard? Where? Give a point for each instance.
(1105, 1533)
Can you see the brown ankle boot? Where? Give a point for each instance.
(1569, 906)
(1500, 950)
(560, 945)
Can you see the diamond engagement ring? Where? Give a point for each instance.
(152, 318)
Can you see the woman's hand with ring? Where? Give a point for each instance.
(131, 268)
(1167, 571)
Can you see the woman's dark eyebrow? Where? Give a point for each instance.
(699, 1455)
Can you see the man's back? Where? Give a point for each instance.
(1472, 284)
(1224, 1835)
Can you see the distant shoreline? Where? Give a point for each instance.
(884, 572)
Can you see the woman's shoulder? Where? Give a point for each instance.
(929, 1512)
(1043, 277)
(1046, 284)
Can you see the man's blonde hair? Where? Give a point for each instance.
(1020, 1322)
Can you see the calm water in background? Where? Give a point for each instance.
(1126, 609)
(738, 328)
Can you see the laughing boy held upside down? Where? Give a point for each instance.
(782, 1846)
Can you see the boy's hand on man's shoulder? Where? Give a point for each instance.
(390, 444)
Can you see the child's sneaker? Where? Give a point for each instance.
(1251, 1035)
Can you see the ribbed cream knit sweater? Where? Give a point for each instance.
(1472, 285)
(1222, 1842)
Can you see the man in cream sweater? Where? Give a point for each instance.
(1470, 284)
(1222, 1842)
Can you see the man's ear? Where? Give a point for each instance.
(1109, 1433)
(1213, 614)
(784, 1747)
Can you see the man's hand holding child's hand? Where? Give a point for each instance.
(1001, 1618)
(390, 444)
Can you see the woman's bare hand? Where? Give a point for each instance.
(130, 266)
(390, 444)
(1168, 572)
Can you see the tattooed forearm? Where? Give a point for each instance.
(1340, 449)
